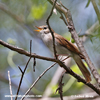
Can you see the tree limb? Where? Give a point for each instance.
(68, 70)
(74, 34)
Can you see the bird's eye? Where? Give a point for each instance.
(45, 28)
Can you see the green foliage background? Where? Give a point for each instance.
(17, 23)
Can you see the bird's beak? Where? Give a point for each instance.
(39, 29)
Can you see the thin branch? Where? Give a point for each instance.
(21, 51)
(37, 81)
(59, 89)
(74, 34)
(23, 72)
(30, 47)
(10, 85)
(52, 33)
(62, 17)
(48, 91)
(34, 63)
(20, 69)
(22, 78)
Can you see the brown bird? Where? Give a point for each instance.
(65, 48)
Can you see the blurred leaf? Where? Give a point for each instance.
(54, 88)
(37, 12)
(28, 70)
(36, 91)
(11, 41)
(68, 36)
(15, 76)
(10, 59)
(88, 3)
(68, 84)
(76, 69)
(73, 41)
(85, 64)
(91, 38)
(79, 84)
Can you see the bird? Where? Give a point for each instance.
(64, 48)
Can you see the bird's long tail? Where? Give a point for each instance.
(82, 67)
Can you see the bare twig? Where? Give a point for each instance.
(20, 69)
(48, 91)
(72, 30)
(34, 64)
(23, 72)
(62, 17)
(37, 81)
(21, 51)
(47, 21)
(59, 89)
(30, 47)
(10, 85)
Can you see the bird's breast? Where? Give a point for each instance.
(61, 50)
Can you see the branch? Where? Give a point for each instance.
(48, 91)
(21, 51)
(60, 86)
(74, 34)
(23, 72)
(80, 79)
(37, 81)
(52, 33)
(10, 85)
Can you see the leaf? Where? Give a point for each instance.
(54, 87)
(37, 12)
(88, 3)
(11, 41)
(76, 69)
(68, 36)
(69, 84)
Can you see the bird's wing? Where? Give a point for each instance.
(70, 46)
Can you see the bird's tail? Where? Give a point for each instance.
(82, 67)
